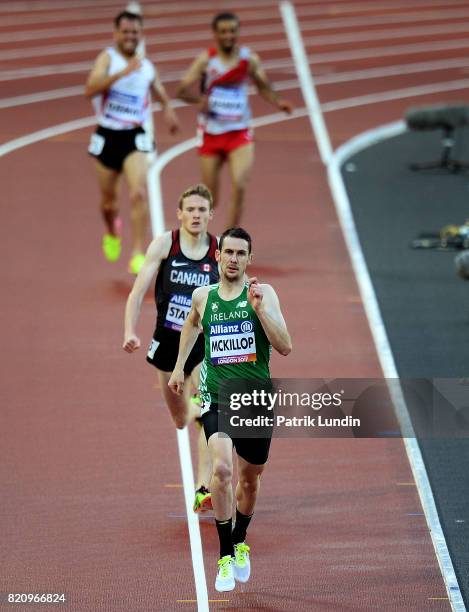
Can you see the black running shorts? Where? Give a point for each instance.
(164, 348)
(252, 450)
(111, 147)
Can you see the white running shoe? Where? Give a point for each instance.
(242, 564)
(225, 578)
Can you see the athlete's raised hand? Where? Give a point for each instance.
(131, 343)
(255, 293)
(176, 382)
(134, 64)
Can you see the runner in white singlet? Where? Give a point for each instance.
(119, 86)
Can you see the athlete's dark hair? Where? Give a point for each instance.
(235, 232)
(200, 190)
(127, 15)
(224, 17)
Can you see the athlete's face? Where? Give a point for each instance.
(127, 36)
(195, 214)
(226, 35)
(233, 258)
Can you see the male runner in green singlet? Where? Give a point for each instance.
(239, 349)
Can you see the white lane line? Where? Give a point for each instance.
(58, 129)
(314, 59)
(384, 351)
(183, 442)
(43, 96)
(388, 51)
(50, 132)
(378, 328)
(164, 40)
(107, 15)
(392, 71)
(19, 7)
(192, 519)
(334, 105)
(187, 145)
(396, 94)
(326, 24)
(320, 10)
(325, 79)
(156, 8)
(154, 183)
(306, 82)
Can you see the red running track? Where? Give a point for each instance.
(90, 479)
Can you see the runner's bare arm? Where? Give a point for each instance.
(265, 302)
(156, 252)
(189, 334)
(193, 75)
(264, 86)
(170, 116)
(99, 81)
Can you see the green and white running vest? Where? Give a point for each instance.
(236, 345)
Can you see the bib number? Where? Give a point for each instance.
(227, 104)
(96, 145)
(232, 343)
(178, 308)
(154, 344)
(144, 143)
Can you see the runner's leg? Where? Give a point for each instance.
(240, 163)
(221, 454)
(135, 170)
(108, 181)
(248, 486)
(210, 166)
(177, 404)
(246, 494)
(204, 465)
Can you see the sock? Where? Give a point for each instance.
(224, 533)
(240, 528)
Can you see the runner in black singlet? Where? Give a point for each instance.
(183, 260)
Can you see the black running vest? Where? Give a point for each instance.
(177, 278)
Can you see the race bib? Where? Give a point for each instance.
(178, 309)
(144, 143)
(233, 342)
(227, 104)
(154, 344)
(96, 145)
(124, 107)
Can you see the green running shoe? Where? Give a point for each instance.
(225, 577)
(195, 399)
(112, 247)
(202, 501)
(242, 563)
(136, 263)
